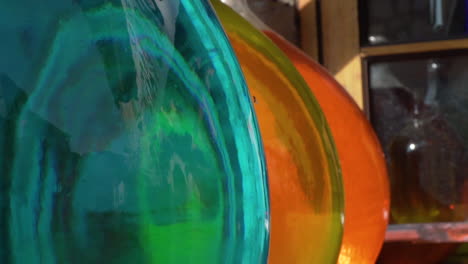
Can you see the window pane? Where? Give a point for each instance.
(394, 21)
(419, 108)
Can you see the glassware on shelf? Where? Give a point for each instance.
(127, 136)
(427, 143)
(304, 174)
(426, 158)
(361, 158)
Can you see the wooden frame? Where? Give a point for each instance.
(429, 233)
(432, 46)
(309, 28)
(341, 45)
(338, 45)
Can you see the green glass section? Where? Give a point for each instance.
(126, 136)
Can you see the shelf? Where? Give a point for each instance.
(428, 233)
(419, 47)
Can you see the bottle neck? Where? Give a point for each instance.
(243, 9)
(422, 113)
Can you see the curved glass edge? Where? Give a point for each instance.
(261, 42)
(253, 234)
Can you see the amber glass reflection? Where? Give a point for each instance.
(304, 175)
(418, 107)
(361, 158)
(427, 162)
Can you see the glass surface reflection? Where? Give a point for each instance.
(127, 136)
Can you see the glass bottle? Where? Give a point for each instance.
(304, 173)
(427, 163)
(127, 136)
(366, 184)
(363, 167)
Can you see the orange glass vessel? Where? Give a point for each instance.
(306, 194)
(361, 158)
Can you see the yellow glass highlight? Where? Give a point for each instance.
(304, 174)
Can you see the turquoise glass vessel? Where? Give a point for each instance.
(127, 135)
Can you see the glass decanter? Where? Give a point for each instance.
(127, 136)
(427, 163)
